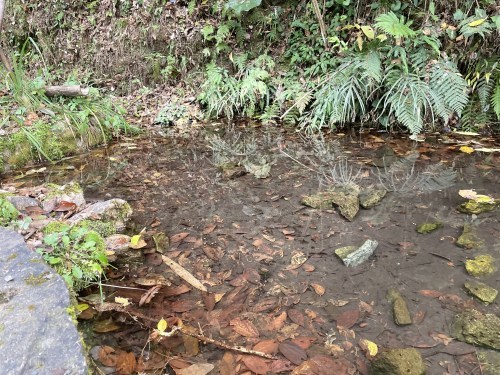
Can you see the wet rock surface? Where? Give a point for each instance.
(37, 336)
(477, 328)
(399, 362)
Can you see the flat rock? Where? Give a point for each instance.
(400, 308)
(369, 198)
(481, 291)
(20, 202)
(482, 265)
(476, 328)
(37, 336)
(116, 211)
(469, 239)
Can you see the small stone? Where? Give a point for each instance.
(481, 265)
(371, 197)
(118, 243)
(353, 256)
(398, 362)
(343, 197)
(231, 171)
(481, 291)
(8, 278)
(428, 227)
(400, 308)
(476, 328)
(468, 239)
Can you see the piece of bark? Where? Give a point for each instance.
(68, 90)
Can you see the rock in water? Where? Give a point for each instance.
(474, 327)
(37, 335)
(353, 256)
(398, 362)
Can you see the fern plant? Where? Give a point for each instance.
(395, 26)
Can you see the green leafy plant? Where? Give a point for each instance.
(76, 253)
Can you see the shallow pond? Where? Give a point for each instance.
(261, 253)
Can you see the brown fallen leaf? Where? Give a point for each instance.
(213, 253)
(107, 356)
(279, 321)
(196, 369)
(325, 365)
(64, 206)
(148, 296)
(209, 228)
(103, 326)
(318, 288)
(292, 352)
(308, 267)
(227, 365)
(256, 364)
(303, 342)
(125, 363)
(183, 273)
(244, 327)
(430, 293)
(191, 344)
(296, 316)
(269, 346)
(178, 237)
(347, 319)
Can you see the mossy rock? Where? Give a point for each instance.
(476, 328)
(55, 227)
(369, 198)
(469, 239)
(429, 227)
(398, 362)
(345, 198)
(482, 265)
(8, 212)
(104, 228)
(476, 207)
(481, 291)
(400, 309)
(490, 362)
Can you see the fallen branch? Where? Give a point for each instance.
(68, 90)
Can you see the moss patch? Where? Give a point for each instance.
(8, 212)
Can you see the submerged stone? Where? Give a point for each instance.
(398, 362)
(469, 239)
(353, 255)
(115, 211)
(477, 207)
(369, 198)
(429, 227)
(345, 198)
(481, 265)
(399, 307)
(490, 362)
(481, 291)
(476, 328)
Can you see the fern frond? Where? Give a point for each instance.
(450, 89)
(394, 26)
(495, 100)
(483, 89)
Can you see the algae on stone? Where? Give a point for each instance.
(482, 265)
(399, 308)
(477, 207)
(369, 198)
(481, 291)
(429, 227)
(490, 361)
(475, 328)
(469, 239)
(398, 362)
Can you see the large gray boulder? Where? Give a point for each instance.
(37, 336)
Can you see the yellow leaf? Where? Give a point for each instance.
(382, 37)
(136, 242)
(368, 31)
(469, 194)
(122, 301)
(484, 199)
(371, 347)
(82, 307)
(477, 22)
(135, 239)
(467, 149)
(359, 41)
(162, 325)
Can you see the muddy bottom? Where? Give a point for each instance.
(268, 261)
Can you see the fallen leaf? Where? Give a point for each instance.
(148, 296)
(191, 345)
(209, 228)
(122, 301)
(178, 237)
(107, 356)
(196, 369)
(430, 293)
(347, 319)
(244, 327)
(292, 352)
(103, 326)
(125, 363)
(65, 206)
(267, 346)
(296, 316)
(308, 267)
(477, 22)
(319, 289)
(369, 347)
(227, 364)
(137, 242)
(256, 364)
(303, 342)
(162, 325)
(325, 365)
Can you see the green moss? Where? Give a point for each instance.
(55, 227)
(481, 265)
(54, 190)
(8, 212)
(468, 239)
(36, 280)
(105, 229)
(428, 227)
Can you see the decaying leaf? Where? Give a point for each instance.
(122, 301)
(162, 325)
(319, 289)
(125, 363)
(370, 348)
(292, 352)
(348, 318)
(196, 369)
(183, 273)
(148, 296)
(256, 364)
(137, 242)
(178, 237)
(267, 346)
(244, 327)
